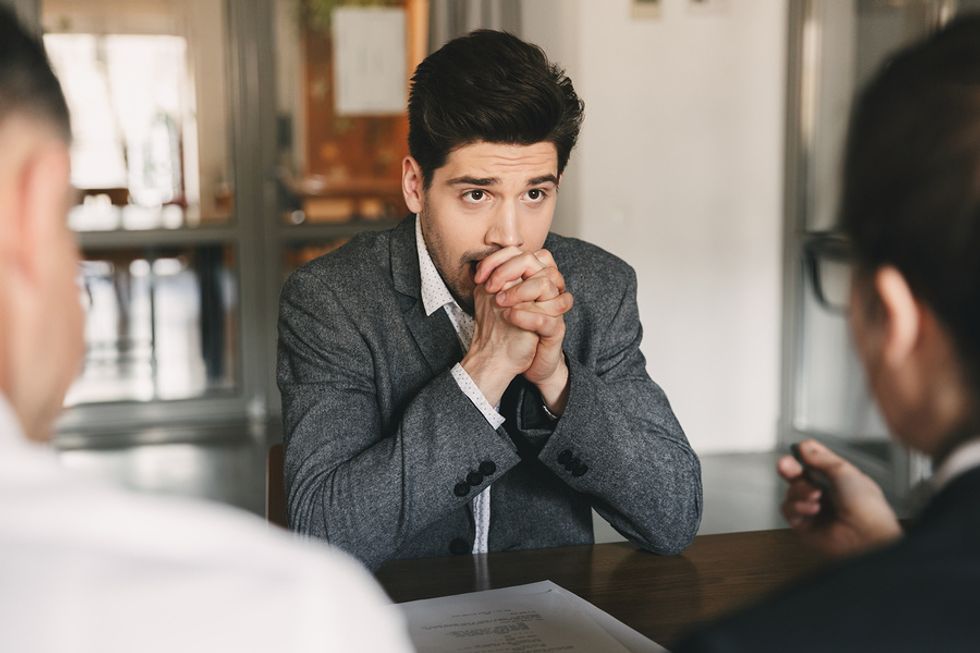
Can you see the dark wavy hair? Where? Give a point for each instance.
(27, 83)
(489, 86)
(911, 195)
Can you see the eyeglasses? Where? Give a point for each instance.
(828, 257)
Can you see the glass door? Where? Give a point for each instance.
(172, 164)
(835, 46)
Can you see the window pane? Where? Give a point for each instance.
(160, 324)
(145, 83)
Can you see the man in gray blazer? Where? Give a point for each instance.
(442, 392)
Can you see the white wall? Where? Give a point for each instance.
(679, 171)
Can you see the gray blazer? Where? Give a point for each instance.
(384, 452)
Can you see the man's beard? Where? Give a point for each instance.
(457, 275)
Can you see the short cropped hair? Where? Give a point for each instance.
(489, 86)
(911, 192)
(27, 83)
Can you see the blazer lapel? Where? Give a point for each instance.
(434, 335)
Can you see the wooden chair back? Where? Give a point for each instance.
(275, 487)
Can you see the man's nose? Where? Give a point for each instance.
(505, 229)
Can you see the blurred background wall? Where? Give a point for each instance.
(679, 172)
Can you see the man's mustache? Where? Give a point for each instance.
(476, 257)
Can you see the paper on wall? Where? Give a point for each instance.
(369, 60)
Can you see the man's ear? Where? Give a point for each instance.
(39, 206)
(413, 184)
(901, 315)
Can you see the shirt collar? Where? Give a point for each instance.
(964, 458)
(435, 294)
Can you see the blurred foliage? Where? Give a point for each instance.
(317, 13)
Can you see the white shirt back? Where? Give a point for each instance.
(85, 566)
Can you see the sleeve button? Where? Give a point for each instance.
(461, 489)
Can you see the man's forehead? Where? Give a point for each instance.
(501, 161)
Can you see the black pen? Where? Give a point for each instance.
(813, 476)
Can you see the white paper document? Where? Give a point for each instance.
(370, 76)
(536, 618)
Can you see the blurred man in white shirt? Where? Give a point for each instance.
(85, 566)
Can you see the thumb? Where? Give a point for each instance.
(823, 459)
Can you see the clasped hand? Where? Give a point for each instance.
(519, 305)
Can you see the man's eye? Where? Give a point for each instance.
(474, 196)
(536, 194)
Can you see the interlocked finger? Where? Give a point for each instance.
(543, 286)
(529, 319)
(490, 263)
(522, 266)
(545, 257)
(553, 307)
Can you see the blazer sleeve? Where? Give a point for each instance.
(619, 443)
(362, 485)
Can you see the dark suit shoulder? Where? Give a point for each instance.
(588, 267)
(356, 269)
(364, 254)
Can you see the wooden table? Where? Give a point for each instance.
(659, 596)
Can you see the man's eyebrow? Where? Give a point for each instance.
(473, 181)
(543, 179)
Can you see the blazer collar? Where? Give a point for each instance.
(434, 334)
(961, 496)
(405, 258)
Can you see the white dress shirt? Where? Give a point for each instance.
(86, 566)
(436, 295)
